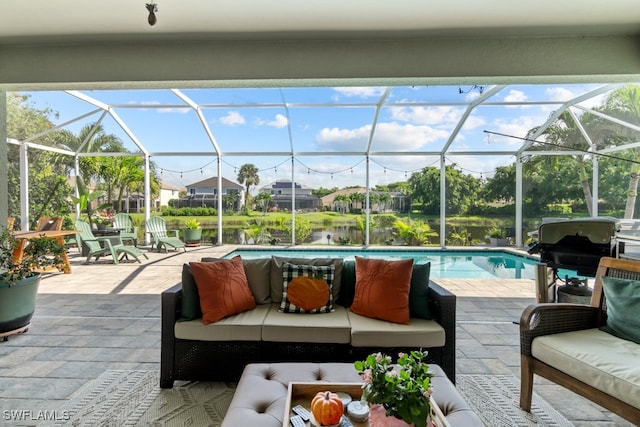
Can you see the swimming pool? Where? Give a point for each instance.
(445, 264)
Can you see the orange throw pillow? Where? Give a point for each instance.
(382, 289)
(223, 288)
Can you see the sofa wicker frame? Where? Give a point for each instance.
(225, 360)
(545, 319)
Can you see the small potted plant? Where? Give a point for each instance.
(192, 232)
(400, 391)
(497, 236)
(19, 278)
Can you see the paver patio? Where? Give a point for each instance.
(104, 316)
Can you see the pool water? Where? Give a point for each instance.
(445, 264)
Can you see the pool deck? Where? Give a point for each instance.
(104, 316)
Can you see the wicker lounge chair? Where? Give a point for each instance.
(100, 246)
(577, 355)
(158, 229)
(128, 231)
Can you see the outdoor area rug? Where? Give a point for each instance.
(495, 398)
(134, 398)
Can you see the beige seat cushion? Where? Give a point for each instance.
(596, 358)
(310, 328)
(367, 332)
(243, 326)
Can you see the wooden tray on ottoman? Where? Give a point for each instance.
(301, 393)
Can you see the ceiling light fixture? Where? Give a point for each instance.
(152, 8)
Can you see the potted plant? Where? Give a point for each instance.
(497, 236)
(192, 232)
(401, 391)
(19, 279)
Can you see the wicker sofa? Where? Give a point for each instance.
(191, 350)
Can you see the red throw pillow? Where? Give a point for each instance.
(382, 289)
(223, 288)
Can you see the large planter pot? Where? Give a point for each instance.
(192, 236)
(495, 241)
(17, 305)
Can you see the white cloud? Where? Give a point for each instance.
(280, 121)
(471, 96)
(389, 136)
(517, 127)
(359, 92)
(233, 118)
(473, 122)
(559, 94)
(515, 96)
(442, 115)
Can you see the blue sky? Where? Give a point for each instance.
(249, 122)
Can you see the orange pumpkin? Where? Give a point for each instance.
(327, 408)
(308, 293)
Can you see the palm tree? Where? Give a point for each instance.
(358, 198)
(248, 175)
(230, 200)
(264, 199)
(123, 172)
(96, 140)
(624, 104)
(385, 199)
(342, 201)
(564, 133)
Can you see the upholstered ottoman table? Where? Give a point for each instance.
(261, 394)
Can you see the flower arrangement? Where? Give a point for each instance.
(103, 218)
(403, 389)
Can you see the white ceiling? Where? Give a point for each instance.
(42, 21)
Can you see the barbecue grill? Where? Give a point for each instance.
(576, 244)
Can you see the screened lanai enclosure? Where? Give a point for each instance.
(527, 108)
(369, 137)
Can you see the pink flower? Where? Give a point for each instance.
(428, 392)
(366, 376)
(378, 357)
(392, 373)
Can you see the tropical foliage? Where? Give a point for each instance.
(413, 233)
(248, 175)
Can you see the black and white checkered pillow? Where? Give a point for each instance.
(291, 271)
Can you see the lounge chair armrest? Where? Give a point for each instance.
(176, 233)
(171, 306)
(135, 230)
(442, 306)
(554, 318)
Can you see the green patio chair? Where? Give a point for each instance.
(161, 236)
(99, 246)
(128, 231)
